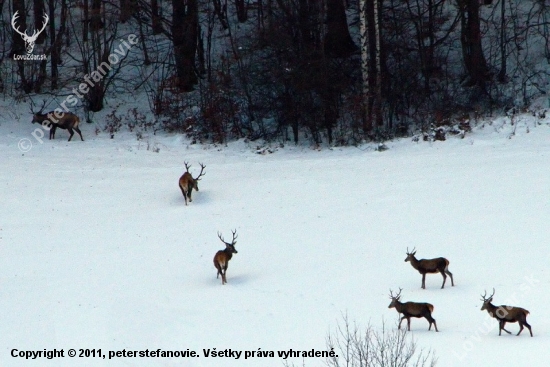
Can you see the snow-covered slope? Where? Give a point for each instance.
(98, 250)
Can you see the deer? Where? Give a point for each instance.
(505, 314)
(56, 119)
(187, 183)
(412, 309)
(68, 121)
(29, 40)
(424, 266)
(222, 257)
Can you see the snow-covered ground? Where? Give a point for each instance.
(98, 250)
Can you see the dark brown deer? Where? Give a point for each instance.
(505, 314)
(67, 121)
(222, 257)
(412, 309)
(187, 183)
(424, 266)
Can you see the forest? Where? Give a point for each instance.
(338, 72)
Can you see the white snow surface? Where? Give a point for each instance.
(99, 251)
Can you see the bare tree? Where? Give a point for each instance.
(369, 347)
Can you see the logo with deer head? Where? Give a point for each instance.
(29, 40)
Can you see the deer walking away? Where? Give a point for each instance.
(505, 314)
(222, 257)
(425, 266)
(187, 183)
(412, 309)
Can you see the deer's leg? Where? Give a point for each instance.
(444, 279)
(451, 275)
(185, 197)
(528, 327)
(52, 131)
(70, 132)
(189, 192)
(400, 321)
(502, 324)
(79, 132)
(409, 323)
(431, 320)
(424, 281)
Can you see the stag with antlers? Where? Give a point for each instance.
(505, 314)
(222, 257)
(412, 309)
(29, 40)
(424, 266)
(56, 119)
(187, 183)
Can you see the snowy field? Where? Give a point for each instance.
(99, 251)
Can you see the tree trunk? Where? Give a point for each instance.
(372, 65)
(156, 21)
(2, 54)
(18, 45)
(338, 42)
(377, 106)
(95, 16)
(502, 73)
(86, 20)
(127, 9)
(39, 11)
(242, 15)
(185, 21)
(474, 60)
(54, 41)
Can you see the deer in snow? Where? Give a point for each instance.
(56, 119)
(505, 314)
(412, 309)
(437, 265)
(222, 257)
(187, 183)
(68, 121)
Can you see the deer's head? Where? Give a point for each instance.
(195, 181)
(410, 255)
(486, 300)
(394, 299)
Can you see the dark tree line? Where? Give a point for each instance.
(338, 71)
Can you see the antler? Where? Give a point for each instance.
(32, 105)
(485, 299)
(397, 295)
(187, 166)
(201, 172)
(234, 233)
(412, 252)
(233, 242)
(36, 33)
(15, 16)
